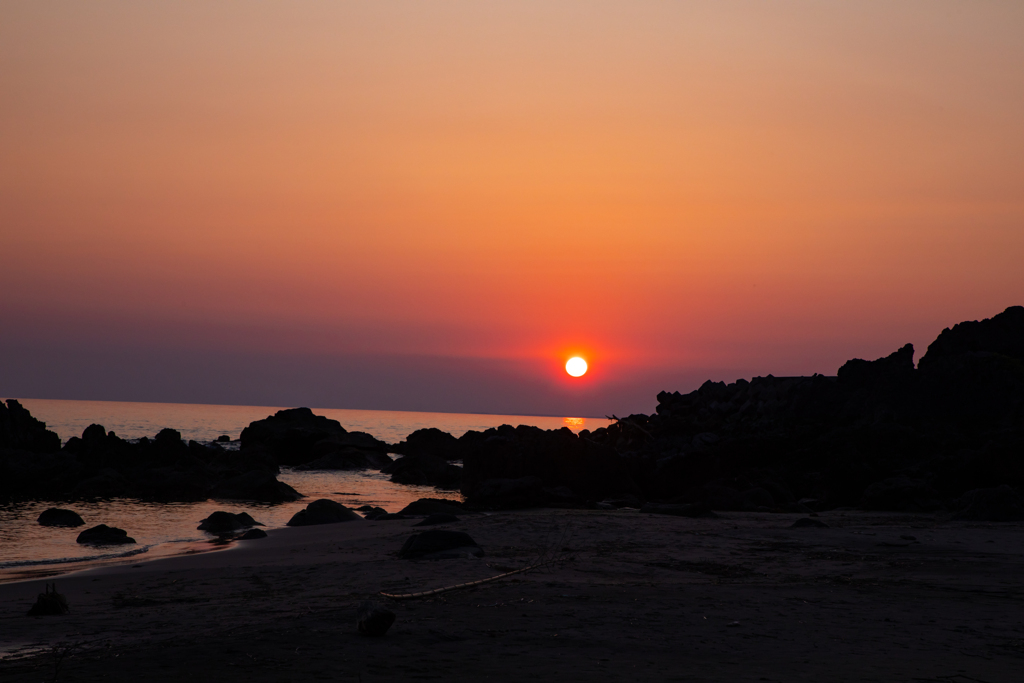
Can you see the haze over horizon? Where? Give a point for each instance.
(431, 207)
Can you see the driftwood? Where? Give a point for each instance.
(446, 589)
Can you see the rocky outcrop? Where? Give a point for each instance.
(323, 511)
(100, 464)
(881, 435)
(296, 436)
(567, 465)
(20, 431)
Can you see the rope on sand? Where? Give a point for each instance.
(438, 591)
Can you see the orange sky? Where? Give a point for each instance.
(676, 190)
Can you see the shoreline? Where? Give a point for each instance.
(741, 597)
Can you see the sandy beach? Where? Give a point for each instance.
(886, 597)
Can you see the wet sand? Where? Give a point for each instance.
(740, 598)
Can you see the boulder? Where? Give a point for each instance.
(255, 485)
(372, 619)
(252, 535)
(60, 517)
(222, 522)
(439, 518)
(50, 603)
(440, 544)
(105, 535)
(323, 511)
(998, 504)
(430, 506)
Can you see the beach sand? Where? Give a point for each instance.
(645, 597)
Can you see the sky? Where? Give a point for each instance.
(431, 206)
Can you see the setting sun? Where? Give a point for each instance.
(576, 366)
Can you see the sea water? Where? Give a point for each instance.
(29, 550)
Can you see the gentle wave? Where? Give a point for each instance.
(70, 560)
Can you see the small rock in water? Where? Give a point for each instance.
(221, 521)
(49, 603)
(808, 522)
(105, 535)
(323, 511)
(439, 518)
(372, 619)
(223, 438)
(252, 534)
(60, 517)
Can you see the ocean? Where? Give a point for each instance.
(29, 550)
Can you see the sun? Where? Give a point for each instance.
(576, 366)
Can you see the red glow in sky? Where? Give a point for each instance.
(672, 191)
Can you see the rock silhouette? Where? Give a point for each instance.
(881, 435)
(105, 535)
(323, 511)
(439, 544)
(296, 436)
(60, 517)
(221, 522)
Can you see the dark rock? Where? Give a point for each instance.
(430, 506)
(897, 366)
(60, 517)
(556, 458)
(291, 435)
(679, 510)
(105, 535)
(440, 544)
(253, 534)
(50, 603)
(372, 619)
(371, 513)
(430, 442)
(221, 522)
(19, 430)
(808, 523)
(1001, 334)
(109, 483)
(424, 470)
(323, 511)
(224, 438)
(439, 518)
(508, 494)
(999, 504)
(256, 485)
(329, 454)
